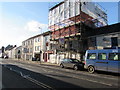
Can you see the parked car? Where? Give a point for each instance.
(103, 60)
(71, 63)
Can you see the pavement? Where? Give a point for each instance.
(37, 62)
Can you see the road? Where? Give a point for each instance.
(19, 74)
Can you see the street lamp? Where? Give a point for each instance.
(40, 44)
(40, 30)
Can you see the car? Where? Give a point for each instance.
(102, 60)
(71, 63)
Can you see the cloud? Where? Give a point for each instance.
(35, 26)
(14, 33)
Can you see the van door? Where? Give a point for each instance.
(114, 62)
(102, 62)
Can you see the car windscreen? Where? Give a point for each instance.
(75, 60)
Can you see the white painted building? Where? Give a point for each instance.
(0, 53)
(27, 49)
(10, 52)
(37, 47)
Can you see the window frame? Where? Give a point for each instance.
(102, 53)
(113, 59)
(92, 53)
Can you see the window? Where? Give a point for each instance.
(84, 3)
(91, 56)
(31, 42)
(114, 56)
(114, 41)
(38, 39)
(35, 48)
(102, 56)
(30, 50)
(28, 42)
(38, 48)
(35, 39)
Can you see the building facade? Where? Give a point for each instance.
(105, 37)
(27, 49)
(0, 53)
(10, 52)
(47, 47)
(18, 52)
(37, 47)
(69, 22)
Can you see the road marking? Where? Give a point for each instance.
(88, 79)
(31, 79)
(108, 84)
(79, 77)
(39, 83)
(93, 81)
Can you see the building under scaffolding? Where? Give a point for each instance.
(71, 21)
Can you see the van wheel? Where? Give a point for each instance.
(61, 65)
(91, 69)
(75, 68)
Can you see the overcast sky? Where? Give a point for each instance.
(20, 20)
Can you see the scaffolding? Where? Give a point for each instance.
(69, 21)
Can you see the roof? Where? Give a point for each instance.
(105, 30)
(104, 50)
(38, 35)
(47, 33)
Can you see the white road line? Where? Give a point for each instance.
(87, 79)
(108, 84)
(31, 79)
(39, 83)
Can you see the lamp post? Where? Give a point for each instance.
(40, 43)
(40, 30)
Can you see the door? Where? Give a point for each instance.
(45, 57)
(102, 62)
(114, 62)
(65, 62)
(70, 63)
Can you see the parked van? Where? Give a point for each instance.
(103, 60)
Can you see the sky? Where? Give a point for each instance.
(20, 20)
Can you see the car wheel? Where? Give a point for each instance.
(61, 65)
(91, 69)
(75, 67)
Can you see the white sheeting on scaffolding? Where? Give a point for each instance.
(60, 15)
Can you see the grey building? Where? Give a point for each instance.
(27, 49)
(105, 37)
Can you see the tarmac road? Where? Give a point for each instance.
(19, 74)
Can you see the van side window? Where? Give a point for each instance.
(102, 56)
(91, 56)
(113, 56)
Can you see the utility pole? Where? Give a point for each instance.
(40, 44)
